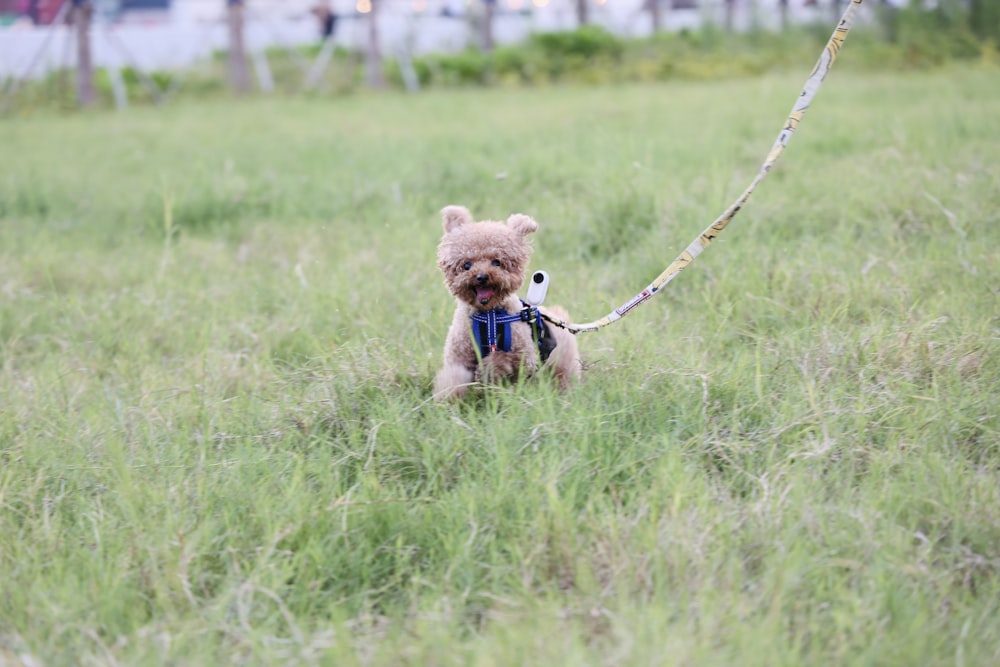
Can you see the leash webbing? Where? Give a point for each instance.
(812, 85)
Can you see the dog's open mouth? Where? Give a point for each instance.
(483, 295)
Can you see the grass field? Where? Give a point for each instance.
(220, 322)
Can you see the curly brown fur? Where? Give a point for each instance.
(484, 265)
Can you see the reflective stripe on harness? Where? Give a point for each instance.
(491, 330)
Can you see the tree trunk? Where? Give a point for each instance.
(656, 14)
(374, 54)
(783, 10)
(489, 8)
(582, 12)
(239, 72)
(83, 10)
(729, 19)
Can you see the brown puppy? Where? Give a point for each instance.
(484, 265)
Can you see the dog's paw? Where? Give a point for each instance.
(452, 382)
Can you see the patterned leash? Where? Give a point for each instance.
(819, 73)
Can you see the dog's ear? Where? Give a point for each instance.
(522, 224)
(453, 217)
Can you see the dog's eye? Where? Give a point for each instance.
(495, 262)
(467, 266)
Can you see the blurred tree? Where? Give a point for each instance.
(888, 16)
(239, 73)
(582, 12)
(729, 20)
(783, 9)
(80, 16)
(984, 19)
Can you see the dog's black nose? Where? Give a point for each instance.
(481, 278)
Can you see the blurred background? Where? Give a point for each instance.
(117, 52)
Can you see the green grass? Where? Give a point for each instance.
(220, 322)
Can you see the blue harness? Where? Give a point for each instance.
(491, 330)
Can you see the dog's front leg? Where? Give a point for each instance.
(452, 381)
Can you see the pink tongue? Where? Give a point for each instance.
(484, 294)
